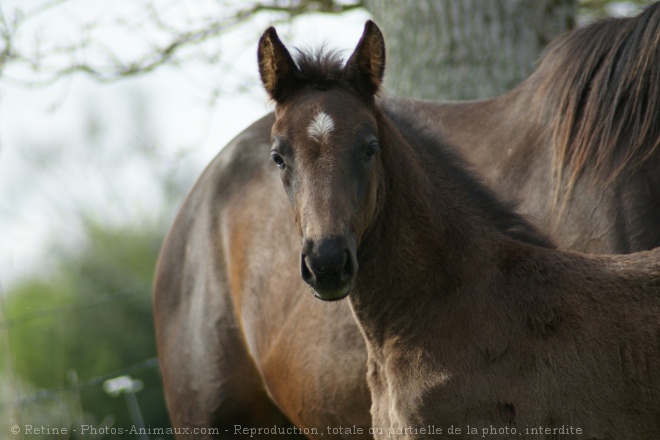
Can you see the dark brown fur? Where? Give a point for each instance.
(460, 318)
(233, 318)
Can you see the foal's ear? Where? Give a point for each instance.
(366, 66)
(276, 67)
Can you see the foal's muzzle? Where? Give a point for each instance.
(328, 266)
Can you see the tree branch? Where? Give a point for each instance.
(156, 57)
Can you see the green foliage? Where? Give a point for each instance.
(91, 317)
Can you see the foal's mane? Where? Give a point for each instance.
(599, 88)
(320, 68)
(441, 158)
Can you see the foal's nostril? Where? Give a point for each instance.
(305, 271)
(347, 267)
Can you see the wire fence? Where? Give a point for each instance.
(62, 403)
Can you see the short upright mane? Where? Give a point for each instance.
(321, 68)
(599, 87)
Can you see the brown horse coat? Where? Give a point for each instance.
(232, 316)
(469, 318)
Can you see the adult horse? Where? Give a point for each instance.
(578, 143)
(233, 326)
(470, 320)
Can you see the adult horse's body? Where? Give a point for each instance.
(469, 317)
(234, 320)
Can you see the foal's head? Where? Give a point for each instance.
(325, 144)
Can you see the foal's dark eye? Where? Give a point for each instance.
(278, 160)
(371, 150)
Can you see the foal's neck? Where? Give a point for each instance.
(429, 241)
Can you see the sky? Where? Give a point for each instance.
(82, 148)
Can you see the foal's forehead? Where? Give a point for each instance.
(321, 126)
(323, 116)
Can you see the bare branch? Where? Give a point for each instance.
(116, 66)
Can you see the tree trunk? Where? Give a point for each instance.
(465, 49)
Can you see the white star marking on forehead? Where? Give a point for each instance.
(321, 127)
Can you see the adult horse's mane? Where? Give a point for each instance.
(599, 89)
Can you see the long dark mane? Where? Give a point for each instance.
(599, 87)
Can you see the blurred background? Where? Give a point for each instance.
(110, 110)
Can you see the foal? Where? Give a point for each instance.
(473, 324)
